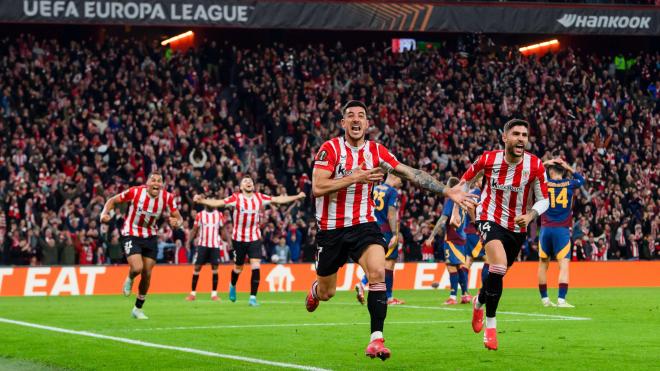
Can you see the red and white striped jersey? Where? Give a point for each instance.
(352, 205)
(508, 188)
(144, 211)
(209, 224)
(246, 215)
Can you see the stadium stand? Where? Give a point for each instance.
(86, 120)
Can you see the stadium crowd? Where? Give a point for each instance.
(83, 120)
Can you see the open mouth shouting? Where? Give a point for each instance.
(519, 149)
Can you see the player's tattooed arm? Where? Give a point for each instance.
(458, 193)
(419, 177)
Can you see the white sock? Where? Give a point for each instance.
(491, 322)
(452, 297)
(376, 335)
(479, 304)
(136, 308)
(253, 297)
(193, 293)
(560, 300)
(214, 293)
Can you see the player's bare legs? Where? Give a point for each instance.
(195, 278)
(544, 263)
(326, 287)
(323, 289)
(373, 263)
(491, 293)
(134, 269)
(143, 288)
(563, 283)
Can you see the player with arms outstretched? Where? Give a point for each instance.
(555, 238)
(139, 233)
(386, 200)
(512, 178)
(246, 234)
(345, 170)
(207, 233)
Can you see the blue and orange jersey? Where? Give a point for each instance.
(561, 194)
(385, 196)
(457, 236)
(471, 228)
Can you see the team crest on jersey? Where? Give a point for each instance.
(367, 157)
(525, 173)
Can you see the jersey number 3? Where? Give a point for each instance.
(379, 199)
(561, 198)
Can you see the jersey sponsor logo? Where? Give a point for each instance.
(145, 212)
(341, 171)
(504, 187)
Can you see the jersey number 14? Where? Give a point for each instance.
(561, 198)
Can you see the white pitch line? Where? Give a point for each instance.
(160, 346)
(542, 315)
(322, 324)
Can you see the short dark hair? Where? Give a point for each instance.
(557, 169)
(155, 172)
(515, 122)
(452, 181)
(353, 103)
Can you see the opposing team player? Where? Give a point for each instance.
(474, 247)
(555, 238)
(139, 233)
(386, 200)
(246, 234)
(207, 234)
(512, 178)
(345, 170)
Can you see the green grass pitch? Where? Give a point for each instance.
(610, 329)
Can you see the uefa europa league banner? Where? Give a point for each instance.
(344, 15)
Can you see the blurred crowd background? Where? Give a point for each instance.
(84, 119)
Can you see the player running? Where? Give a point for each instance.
(345, 169)
(555, 238)
(512, 177)
(139, 233)
(246, 234)
(207, 232)
(386, 200)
